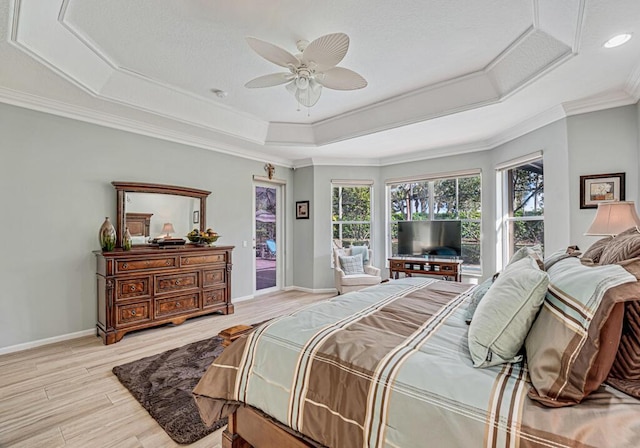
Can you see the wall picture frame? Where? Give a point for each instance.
(302, 209)
(597, 188)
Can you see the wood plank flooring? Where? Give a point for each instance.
(64, 394)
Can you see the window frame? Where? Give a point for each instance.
(340, 183)
(505, 199)
(431, 179)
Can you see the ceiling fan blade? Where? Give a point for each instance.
(326, 51)
(339, 78)
(273, 53)
(274, 79)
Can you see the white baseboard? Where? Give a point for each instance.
(310, 290)
(243, 298)
(40, 342)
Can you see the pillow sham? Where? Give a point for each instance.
(622, 247)
(505, 314)
(595, 250)
(351, 264)
(534, 252)
(572, 343)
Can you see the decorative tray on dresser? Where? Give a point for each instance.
(150, 286)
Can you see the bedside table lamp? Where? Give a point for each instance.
(613, 218)
(168, 229)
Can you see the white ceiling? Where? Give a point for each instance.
(445, 76)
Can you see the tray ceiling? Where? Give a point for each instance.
(444, 77)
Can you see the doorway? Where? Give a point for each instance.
(266, 237)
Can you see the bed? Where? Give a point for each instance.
(391, 366)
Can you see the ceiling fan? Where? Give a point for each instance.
(310, 70)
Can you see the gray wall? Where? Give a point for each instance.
(55, 190)
(599, 143)
(303, 246)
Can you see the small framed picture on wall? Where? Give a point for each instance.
(302, 210)
(597, 188)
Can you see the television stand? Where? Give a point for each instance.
(446, 268)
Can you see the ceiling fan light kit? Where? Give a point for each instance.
(310, 70)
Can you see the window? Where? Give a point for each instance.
(522, 216)
(447, 197)
(351, 213)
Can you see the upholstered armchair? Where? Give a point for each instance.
(346, 279)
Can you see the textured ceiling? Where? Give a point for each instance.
(444, 76)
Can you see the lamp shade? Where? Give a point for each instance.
(613, 218)
(167, 228)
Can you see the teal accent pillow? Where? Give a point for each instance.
(351, 264)
(505, 314)
(362, 250)
(476, 296)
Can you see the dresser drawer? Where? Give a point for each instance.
(197, 260)
(176, 282)
(213, 297)
(132, 288)
(177, 305)
(145, 265)
(214, 277)
(397, 264)
(133, 313)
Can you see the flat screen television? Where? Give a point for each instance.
(435, 238)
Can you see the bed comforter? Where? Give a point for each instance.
(389, 366)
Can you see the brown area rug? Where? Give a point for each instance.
(162, 384)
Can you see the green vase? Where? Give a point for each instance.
(126, 239)
(107, 235)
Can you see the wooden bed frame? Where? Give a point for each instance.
(248, 428)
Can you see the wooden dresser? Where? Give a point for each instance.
(150, 286)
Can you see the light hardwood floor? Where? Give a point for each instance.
(64, 394)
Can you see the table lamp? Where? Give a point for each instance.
(168, 229)
(613, 218)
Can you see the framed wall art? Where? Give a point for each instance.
(302, 210)
(597, 188)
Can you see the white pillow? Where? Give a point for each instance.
(505, 314)
(351, 264)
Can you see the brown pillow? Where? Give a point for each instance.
(573, 342)
(595, 251)
(622, 247)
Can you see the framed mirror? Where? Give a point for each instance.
(154, 210)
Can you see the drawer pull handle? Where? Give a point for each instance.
(177, 304)
(168, 262)
(177, 282)
(133, 312)
(186, 261)
(125, 265)
(148, 262)
(133, 288)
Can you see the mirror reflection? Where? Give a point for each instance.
(154, 215)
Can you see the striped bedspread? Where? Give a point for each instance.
(389, 367)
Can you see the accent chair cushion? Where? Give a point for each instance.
(351, 264)
(505, 314)
(362, 250)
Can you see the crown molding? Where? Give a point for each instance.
(602, 101)
(65, 110)
(632, 86)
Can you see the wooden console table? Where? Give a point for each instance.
(447, 268)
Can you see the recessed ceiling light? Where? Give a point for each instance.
(219, 93)
(618, 40)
